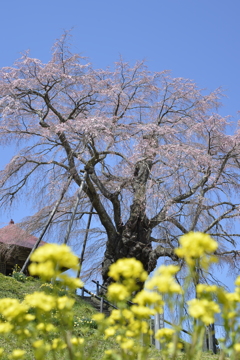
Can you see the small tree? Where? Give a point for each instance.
(158, 159)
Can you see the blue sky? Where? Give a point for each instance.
(196, 39)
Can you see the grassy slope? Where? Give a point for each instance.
(95, 344)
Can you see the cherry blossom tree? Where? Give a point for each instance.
(158, 157)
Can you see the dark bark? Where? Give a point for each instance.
(132, 240)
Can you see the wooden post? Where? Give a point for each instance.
(47, 223)
(84, 243)
(97, 285)
(75, 208)
(158, 324)
(101, 305)
(82, 293)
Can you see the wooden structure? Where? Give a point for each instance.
(15, 246)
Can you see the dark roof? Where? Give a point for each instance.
(14, 235)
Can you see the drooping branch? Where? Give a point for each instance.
(159, 162)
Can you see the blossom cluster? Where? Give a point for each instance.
(47, 321)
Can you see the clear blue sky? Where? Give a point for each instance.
(196, 39)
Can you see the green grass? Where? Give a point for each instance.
(95, 345)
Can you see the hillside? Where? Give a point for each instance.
(95, 345)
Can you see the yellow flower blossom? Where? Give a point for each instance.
(71, 283)
(203, 310)
(117, 292)
(30, 317)
(45, 270)
(138, 326)
(164, 281)
(58, 344)
(148, 298)
(142, 312)
(164, 334)
(77, 341)
(110, 331)
(237, 347)
(46, 327)
(98, 317)
(195, 245)
(65, 302)
(127, 269)
(17, 354)
(231, 314)
(127, 314)
(126, 344)
(168, 270)
(38, 343)
(130, 333)
(233, 297)
(26, 332)
(115, 315)
(108, 352)
(237, 281)
(60, 255)
(12, 309)
(5, 327)
(201, 288)
(41, 301)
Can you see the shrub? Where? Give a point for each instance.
(19, 276)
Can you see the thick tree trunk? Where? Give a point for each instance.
(133, 240)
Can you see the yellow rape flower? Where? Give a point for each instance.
(127, 314)
(148, 298)
(30, 317)
(65, 302)
(203, 310)
(58, 344)
(142, 312)
(164, 334)
(46, 327)
(12, 309)
(41, 301)
(71, 283)
(17, 354)
(38, 343)
(138, 327)
(127, 269)
(126, 344)
(164, 281)
(168, 270)
(115, 315)
(237, 281)
(117, 292)
(233, 297)
(195, 245)
(98, 317)
(77, 341)
(58, 254)
(201, 288)
(46, 270)
(110, 331)
(5, 327)
(109, 352)
(237, 347)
